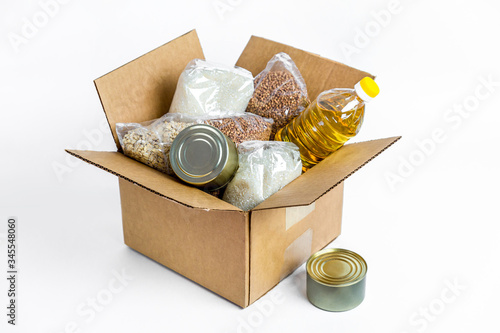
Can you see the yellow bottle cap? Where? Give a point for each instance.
(366, 89)
(369, 86)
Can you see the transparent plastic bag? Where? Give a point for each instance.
(207, 89)
(280, 92)
(142, 144)
(265, 168)
(149, 142)
(244, 127)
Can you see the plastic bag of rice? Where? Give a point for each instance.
(208, 89)
(265, 168)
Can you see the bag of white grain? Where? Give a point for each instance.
(208, 89)
(280, 92)
(265, 168)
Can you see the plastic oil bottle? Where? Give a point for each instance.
(328, 122)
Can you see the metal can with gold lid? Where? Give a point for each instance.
(203, 156)
(336, 279)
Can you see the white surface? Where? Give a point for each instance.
(439, 224)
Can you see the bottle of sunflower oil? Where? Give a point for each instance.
(328, 122)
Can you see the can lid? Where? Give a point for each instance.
(199, 154)
(336, 267)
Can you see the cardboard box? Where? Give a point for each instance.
(238, 255)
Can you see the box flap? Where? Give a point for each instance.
(319, 73)
(326, 175)
(152, 180)
(143, 89)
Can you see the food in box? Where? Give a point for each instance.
(237, 255)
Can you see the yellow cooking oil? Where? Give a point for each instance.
(329, 122)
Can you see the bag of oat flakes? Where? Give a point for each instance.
(280, 92)
(149, 142)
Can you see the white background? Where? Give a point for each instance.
(425, 219)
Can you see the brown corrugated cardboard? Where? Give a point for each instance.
(269, 240)
(238, 255)
(319, 73)
(143, 89)
(327, 174)
(209, 247)
(151, 179)
(311, 185)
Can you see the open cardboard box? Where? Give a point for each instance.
(238, 255)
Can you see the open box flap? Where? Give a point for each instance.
(152, 180)
(319, 73)
(301, 192)
(313, 184)
(143, 89)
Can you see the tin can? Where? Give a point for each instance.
(336, 279)
(203, 156)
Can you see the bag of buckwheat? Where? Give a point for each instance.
(280, 92)
(243, 127)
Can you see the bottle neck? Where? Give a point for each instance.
(359, 99)
(361, 93)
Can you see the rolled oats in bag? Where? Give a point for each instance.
(207, 89)
(150, 142)
(265, 168)
(280, 92)
(141, 144)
